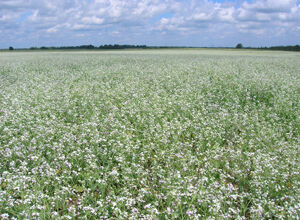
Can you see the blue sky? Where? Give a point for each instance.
(26, 23)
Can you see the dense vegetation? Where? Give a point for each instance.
(89, 47)
(189, 134)
(286, 48)
(127, 46)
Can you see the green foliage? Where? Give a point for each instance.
(239, 46)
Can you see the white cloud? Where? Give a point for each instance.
(226, 14)
(201, 17)
(79, 27)
(270, 6)
(52, 30)
(92, 20)
(152, 17)
(5, 18)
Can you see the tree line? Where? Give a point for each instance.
(90, 47)
(128, 46)
(285, 48)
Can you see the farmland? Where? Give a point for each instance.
(185, 133)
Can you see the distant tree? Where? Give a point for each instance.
(239, 46)
(11, 48)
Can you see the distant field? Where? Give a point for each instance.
(151, 134)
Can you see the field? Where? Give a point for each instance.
(151, 134)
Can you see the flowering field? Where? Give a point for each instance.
(151, 134)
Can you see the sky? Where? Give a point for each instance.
(199, 23)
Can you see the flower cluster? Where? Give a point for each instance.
(149, 134)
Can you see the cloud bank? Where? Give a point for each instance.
(25, 23)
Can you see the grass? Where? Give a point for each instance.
(154, 134)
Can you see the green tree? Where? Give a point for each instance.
(239, 46)
(11, 48)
